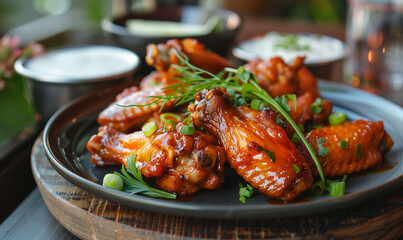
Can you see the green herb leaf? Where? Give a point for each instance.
(164, 117)
(318, 188)
(317, 106)
(196, 79)
(187, 130)
(270, 154)
(295, 138)
(358, 147)
(245, 192)
(169, 122)
(343, 144)
(322, 151)
(296, 168)
(313, 127)
(134, 183)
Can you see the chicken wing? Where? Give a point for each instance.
(128, 118)
(180, 163)
(256, 147)
(279, 78)
(160, 56)
(367, 141)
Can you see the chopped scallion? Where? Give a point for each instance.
(149, 128)
(164, 117)
(169, 122)
(343, 144)
(322, 151)
(358, 146)
(187, 130)
(295, 138)
(337, 118)
(316, 107)
(318, 188)
(245, 192)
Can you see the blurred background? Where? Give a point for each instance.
(41, 19)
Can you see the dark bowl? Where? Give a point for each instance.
(219, 41)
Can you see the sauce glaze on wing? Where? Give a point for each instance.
(125, 119)
(180, 163)
(371, 137)
(246, 135)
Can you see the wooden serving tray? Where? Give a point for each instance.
(91, 217)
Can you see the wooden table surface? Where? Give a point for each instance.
(91, 217)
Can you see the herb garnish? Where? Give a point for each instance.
(334, 187)
(343, 144)
(134, 183)
(296, 168)
(270, 154)
(358, 146)
(195, 79)
(245, 192)
(317, 106)
(295, 138)
(290, 42)
(322, 151)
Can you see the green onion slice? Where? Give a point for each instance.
(318, 188)
(337, 118)
(187, 130)
(149, 128)
(113, 181)
(169, 122)
(322, 151)
(256, 104)
(316, 107)
(337, 189)
(296, 168)
(164, 117)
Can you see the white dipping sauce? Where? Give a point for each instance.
(320, 49)
(82, 63)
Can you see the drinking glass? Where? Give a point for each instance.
(375, 40)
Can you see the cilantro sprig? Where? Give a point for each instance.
(134, 183)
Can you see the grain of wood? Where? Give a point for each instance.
(89, 216)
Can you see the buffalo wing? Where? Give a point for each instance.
(248, 137)
(180, 163)
(366, 142)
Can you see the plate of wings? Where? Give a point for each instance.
(95, 135)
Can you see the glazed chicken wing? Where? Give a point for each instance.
(279, 78)
(367, 142)
(160, 56)
(128, 118)
(248, 137)
(180, 163)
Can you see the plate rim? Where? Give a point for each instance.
(217, 211)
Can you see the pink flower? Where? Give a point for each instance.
(2, 84)
(10, 52)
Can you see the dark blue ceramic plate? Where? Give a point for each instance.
(68, 131)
